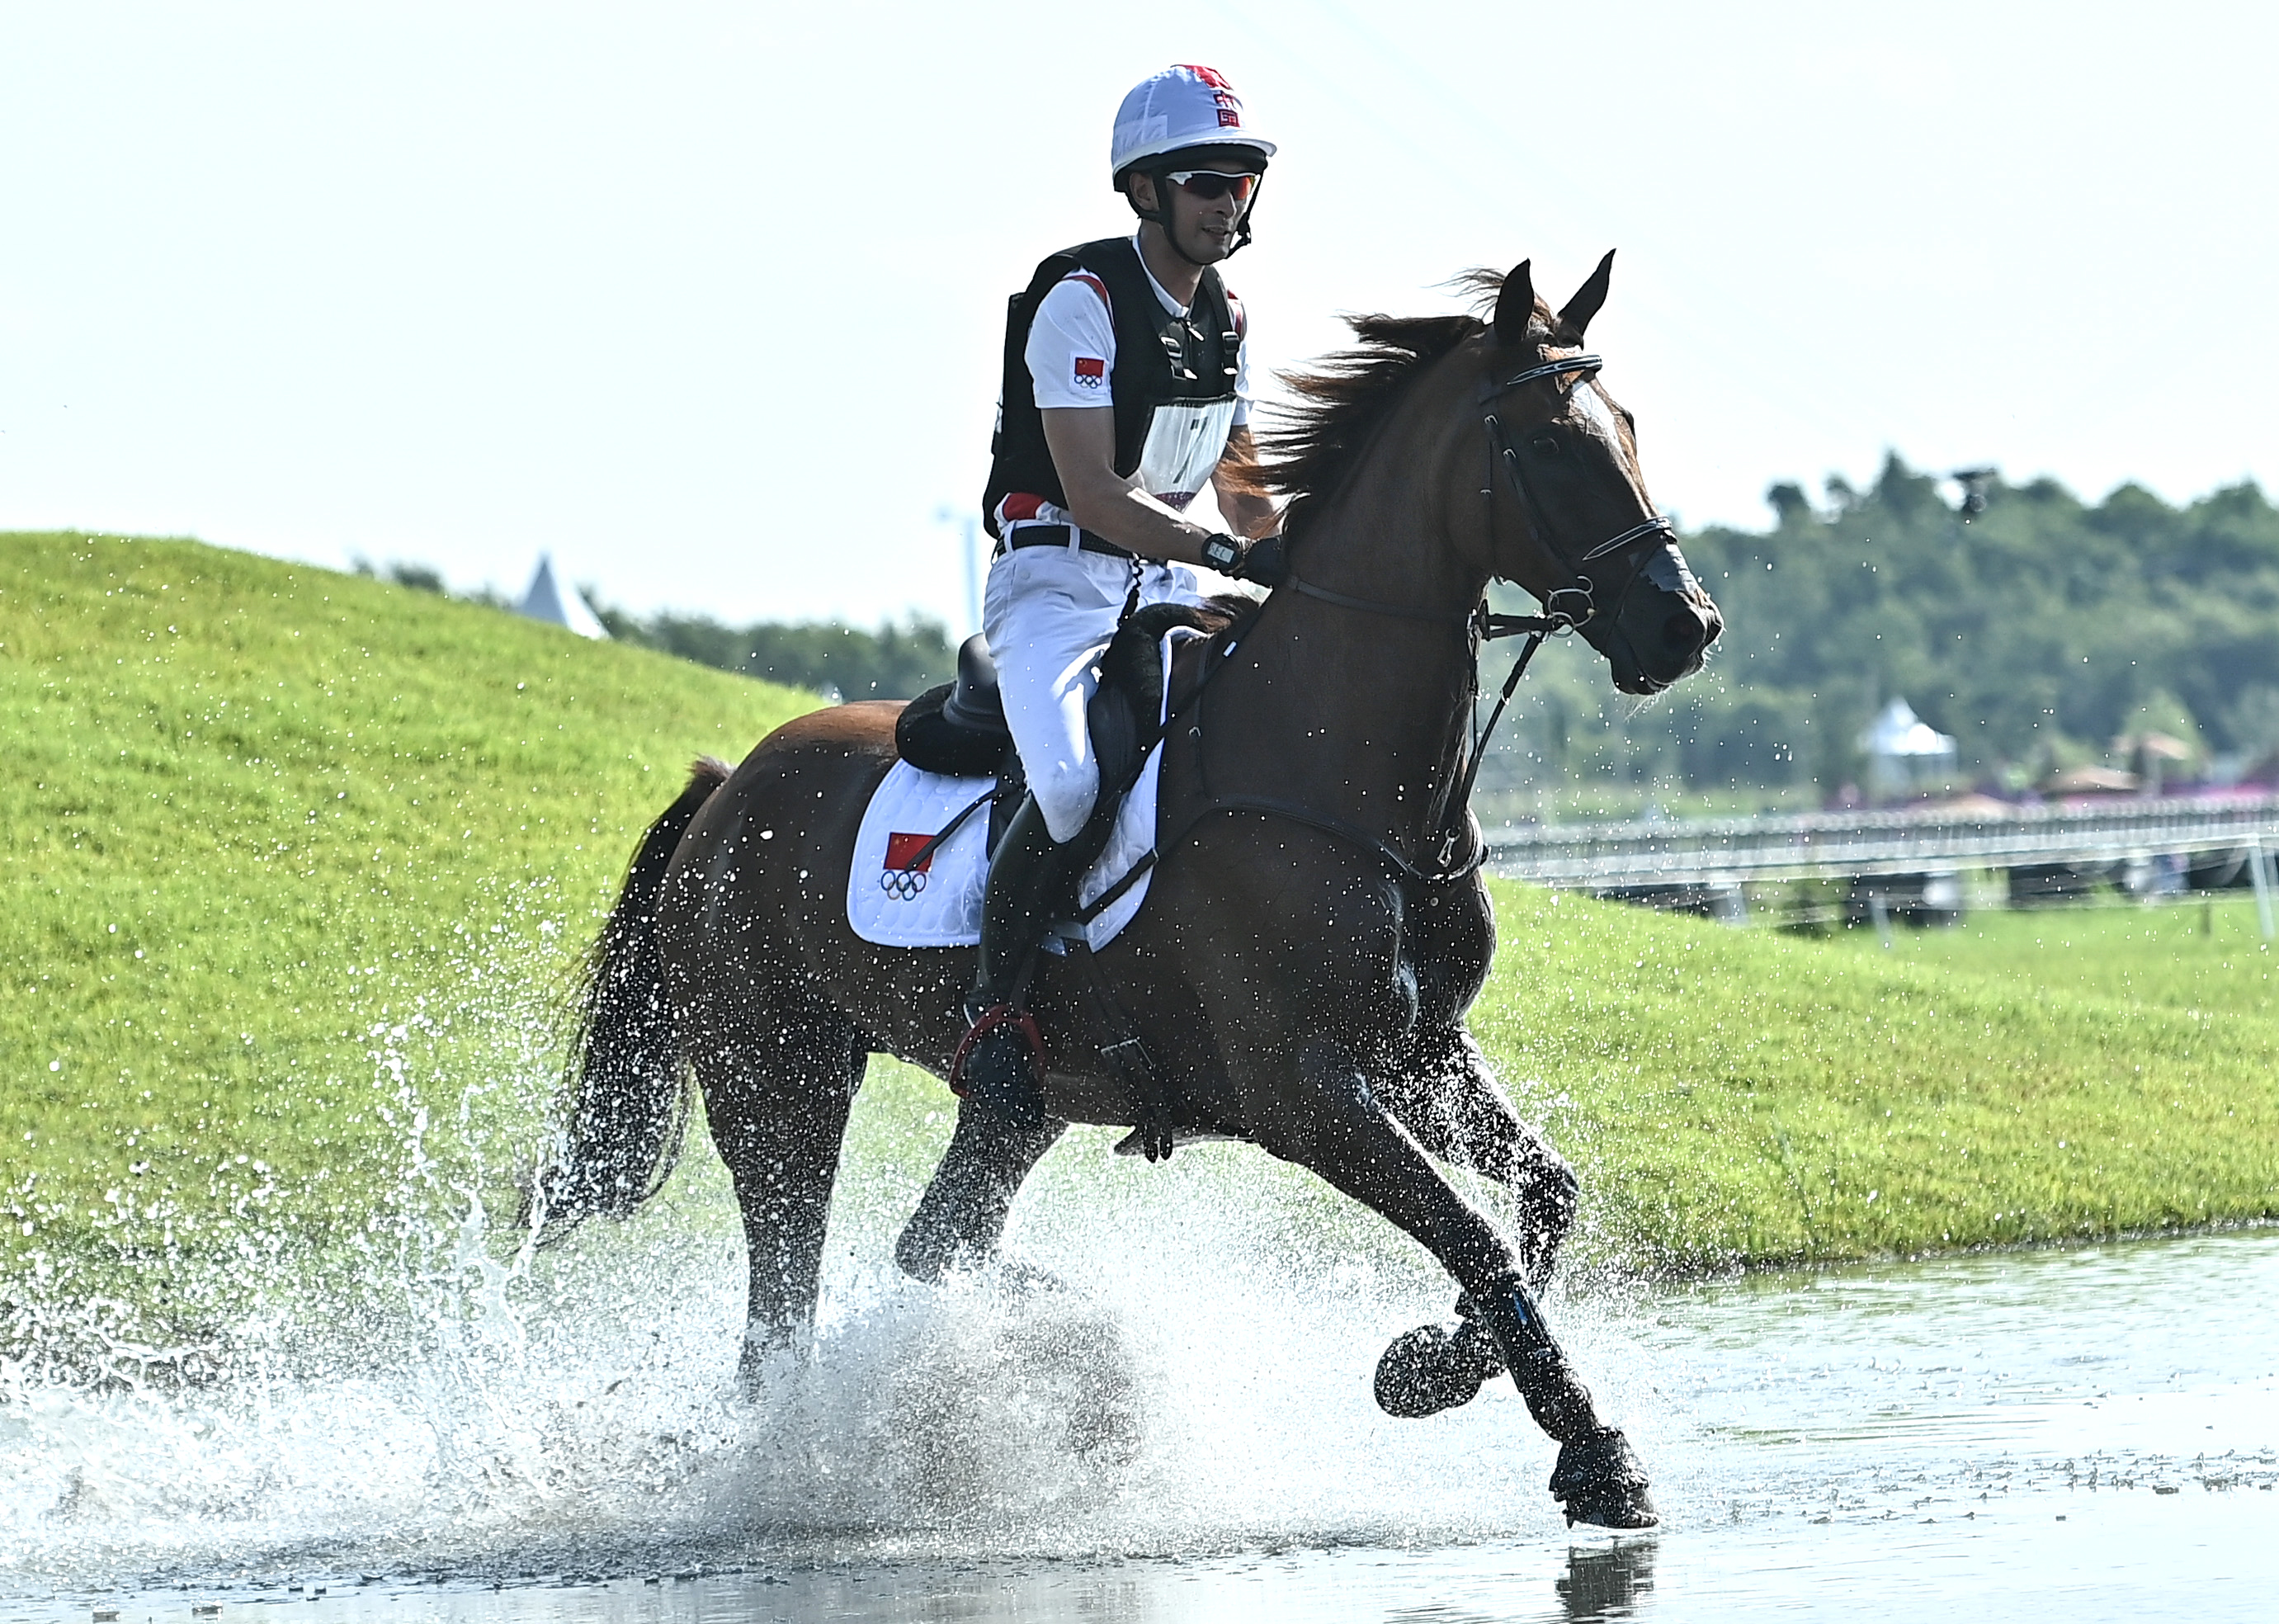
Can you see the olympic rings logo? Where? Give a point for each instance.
(902, 884)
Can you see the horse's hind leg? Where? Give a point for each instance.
(779, 1071)
(962, 1216)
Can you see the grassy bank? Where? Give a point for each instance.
(1748, 1095)
(287, 852)
(298, 862)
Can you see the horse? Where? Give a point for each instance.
(1317, 925)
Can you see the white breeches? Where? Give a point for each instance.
(1048, 613)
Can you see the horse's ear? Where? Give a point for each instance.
(1576, 316)
(1515, 306)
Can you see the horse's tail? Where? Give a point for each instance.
(625, 1089)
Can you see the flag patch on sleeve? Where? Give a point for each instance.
(1090, 372)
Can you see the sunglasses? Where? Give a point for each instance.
(1211, 185)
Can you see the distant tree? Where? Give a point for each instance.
(2251, 723)
(2033, 633)
(1788, 503)
(829, 657)
(419, 577)
(2040, 633)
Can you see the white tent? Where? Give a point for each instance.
(547, 601)
(1902, 748)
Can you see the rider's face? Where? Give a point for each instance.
(1203, 227)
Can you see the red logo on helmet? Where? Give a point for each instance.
(1211, 76)
(1230, 113)
(1090, 372)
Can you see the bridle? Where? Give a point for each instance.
(1539, 512)
(1565, 608)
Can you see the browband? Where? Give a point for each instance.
(1552, 369)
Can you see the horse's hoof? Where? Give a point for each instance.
(1599, 1480)
(1431, 1368)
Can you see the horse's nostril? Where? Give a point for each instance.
(1686, 633)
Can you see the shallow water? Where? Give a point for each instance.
(2089, 1433)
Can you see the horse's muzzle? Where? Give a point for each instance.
(1664, 627)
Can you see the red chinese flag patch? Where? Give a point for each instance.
(902, 852)
(1091, 371)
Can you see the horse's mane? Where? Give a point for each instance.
(1343, 396)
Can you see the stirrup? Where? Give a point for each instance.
(1022, 1100)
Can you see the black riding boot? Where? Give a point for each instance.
(1002, 1064)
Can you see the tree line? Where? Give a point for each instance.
(2035, 628)
(826, 656)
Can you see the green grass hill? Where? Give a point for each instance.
(282, 847)
(2025, 1077)
(298, 863)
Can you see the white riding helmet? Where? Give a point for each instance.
(1187, 105)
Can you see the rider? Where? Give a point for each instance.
(1126, 388)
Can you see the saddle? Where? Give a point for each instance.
(959, 727)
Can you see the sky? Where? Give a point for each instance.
(708, 301)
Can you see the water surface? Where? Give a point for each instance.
(2087, 1434)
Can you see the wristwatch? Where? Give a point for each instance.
(1224, 553)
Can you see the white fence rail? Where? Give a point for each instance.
(1727, 852)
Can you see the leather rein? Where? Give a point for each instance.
(1565, 608)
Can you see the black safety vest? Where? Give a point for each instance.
(1161, 359)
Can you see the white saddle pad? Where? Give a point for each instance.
(938, 902)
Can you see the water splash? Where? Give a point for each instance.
(428, 1389)
(1206, 1390)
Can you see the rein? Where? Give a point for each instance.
(1565, 608)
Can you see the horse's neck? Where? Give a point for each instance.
(1352, 714)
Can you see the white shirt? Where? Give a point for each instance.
(1075, 323)
(1072, 361)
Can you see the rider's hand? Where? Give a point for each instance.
(1264, 562)
(1260, 560)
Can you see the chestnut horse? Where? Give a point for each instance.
(1316, 926)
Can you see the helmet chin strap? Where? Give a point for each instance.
(1161, 216)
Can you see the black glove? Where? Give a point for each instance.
(1260, 560)
(1264, 562)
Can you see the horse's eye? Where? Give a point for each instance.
(1544, 445)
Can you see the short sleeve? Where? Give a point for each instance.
(1071, 350)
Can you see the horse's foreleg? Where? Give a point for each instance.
(1443, 1092)
(961, 1218)
(779, 1076)
(1334, 1125)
